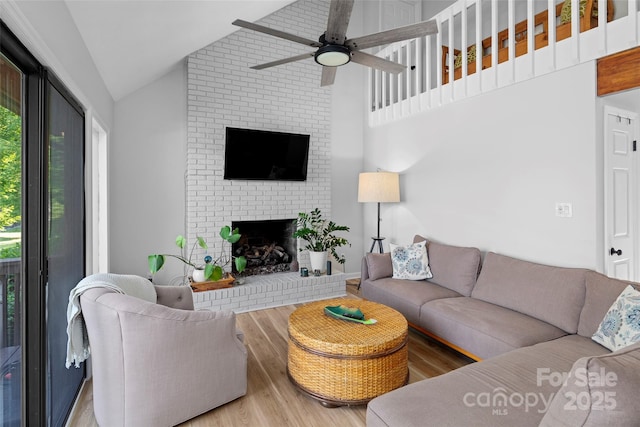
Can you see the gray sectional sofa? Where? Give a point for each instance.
(528, 325)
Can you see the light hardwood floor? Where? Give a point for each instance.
(272, 400)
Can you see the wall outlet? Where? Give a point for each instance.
(564, 210)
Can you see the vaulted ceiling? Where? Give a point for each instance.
(134, 42)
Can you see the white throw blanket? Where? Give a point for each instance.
(77, 339)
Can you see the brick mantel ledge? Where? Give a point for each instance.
(272, 290)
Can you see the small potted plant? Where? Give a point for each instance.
(319, 235)
(211, 270)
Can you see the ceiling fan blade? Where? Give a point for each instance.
(283, 61)
(277, 33)
(390, 36)
(339, 15)
(328, 76)
(376, 62)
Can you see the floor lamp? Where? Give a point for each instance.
(378, 187)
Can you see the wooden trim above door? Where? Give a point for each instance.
(619, 71)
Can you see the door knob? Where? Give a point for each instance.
(614, 252)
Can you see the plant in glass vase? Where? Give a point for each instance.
(319, 235)
(212, 269)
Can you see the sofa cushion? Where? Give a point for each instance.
(621, 325)
(552, 294)
(410, 262)
(379, 265)
(487, 393)
(406, 296)
(453, 267)
(601, 292)
(484, 329)
(175, 296)
(599, 391)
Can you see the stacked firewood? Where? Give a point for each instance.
(263, 255)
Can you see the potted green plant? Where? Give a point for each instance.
(211, 269)
(319, 235)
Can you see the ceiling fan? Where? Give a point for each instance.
(333, 47)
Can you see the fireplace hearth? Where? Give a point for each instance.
(267, 245)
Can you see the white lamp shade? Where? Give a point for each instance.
(380, 187)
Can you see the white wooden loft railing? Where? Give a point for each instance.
(518, 39)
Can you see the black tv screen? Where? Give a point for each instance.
(265, 155)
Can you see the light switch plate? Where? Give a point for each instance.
(564, 210)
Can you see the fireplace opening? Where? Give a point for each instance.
(267, 245)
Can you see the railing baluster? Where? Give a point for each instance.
(602, 26)
(395, 85)
(551, 30)
(376, 92)
(418, 70)
(510, 25)
(383, 92)
(575, 31)
(531, 45)
(372, 89)
(494, 40)
(417, 74)
(633, 16)
(452, 45)
(463, 43)
(479, 49)
(439, 69)
(511, 22)
(407, 80)
(10, 270)
(394, 96)
(411, 67)
(427, 70)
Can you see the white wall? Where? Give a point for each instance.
(491, 183)
(348, 113)
(627, 100)
(147, 165)
(487, 171)
(48, 31)
(148, 159)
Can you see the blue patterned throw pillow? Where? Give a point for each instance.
(410, 262)
(621, 325)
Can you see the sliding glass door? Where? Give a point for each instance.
(42, 237)
(65, 243)
(11, 79)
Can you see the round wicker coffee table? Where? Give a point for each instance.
(345, 363)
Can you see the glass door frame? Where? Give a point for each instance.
(34, 226)
(55, 410)
(34, 219)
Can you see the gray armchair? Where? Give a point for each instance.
(160, 364)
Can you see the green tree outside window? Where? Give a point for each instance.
(10, 182)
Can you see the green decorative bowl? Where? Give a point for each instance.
(348, 313)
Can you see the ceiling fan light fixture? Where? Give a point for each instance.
(333, 55)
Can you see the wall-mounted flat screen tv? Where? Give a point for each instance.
(265, 155)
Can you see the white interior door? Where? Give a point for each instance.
(621, 193)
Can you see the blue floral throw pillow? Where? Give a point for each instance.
(621, 325)
(410, 262)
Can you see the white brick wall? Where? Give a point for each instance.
(273, 290)
(224, 91)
